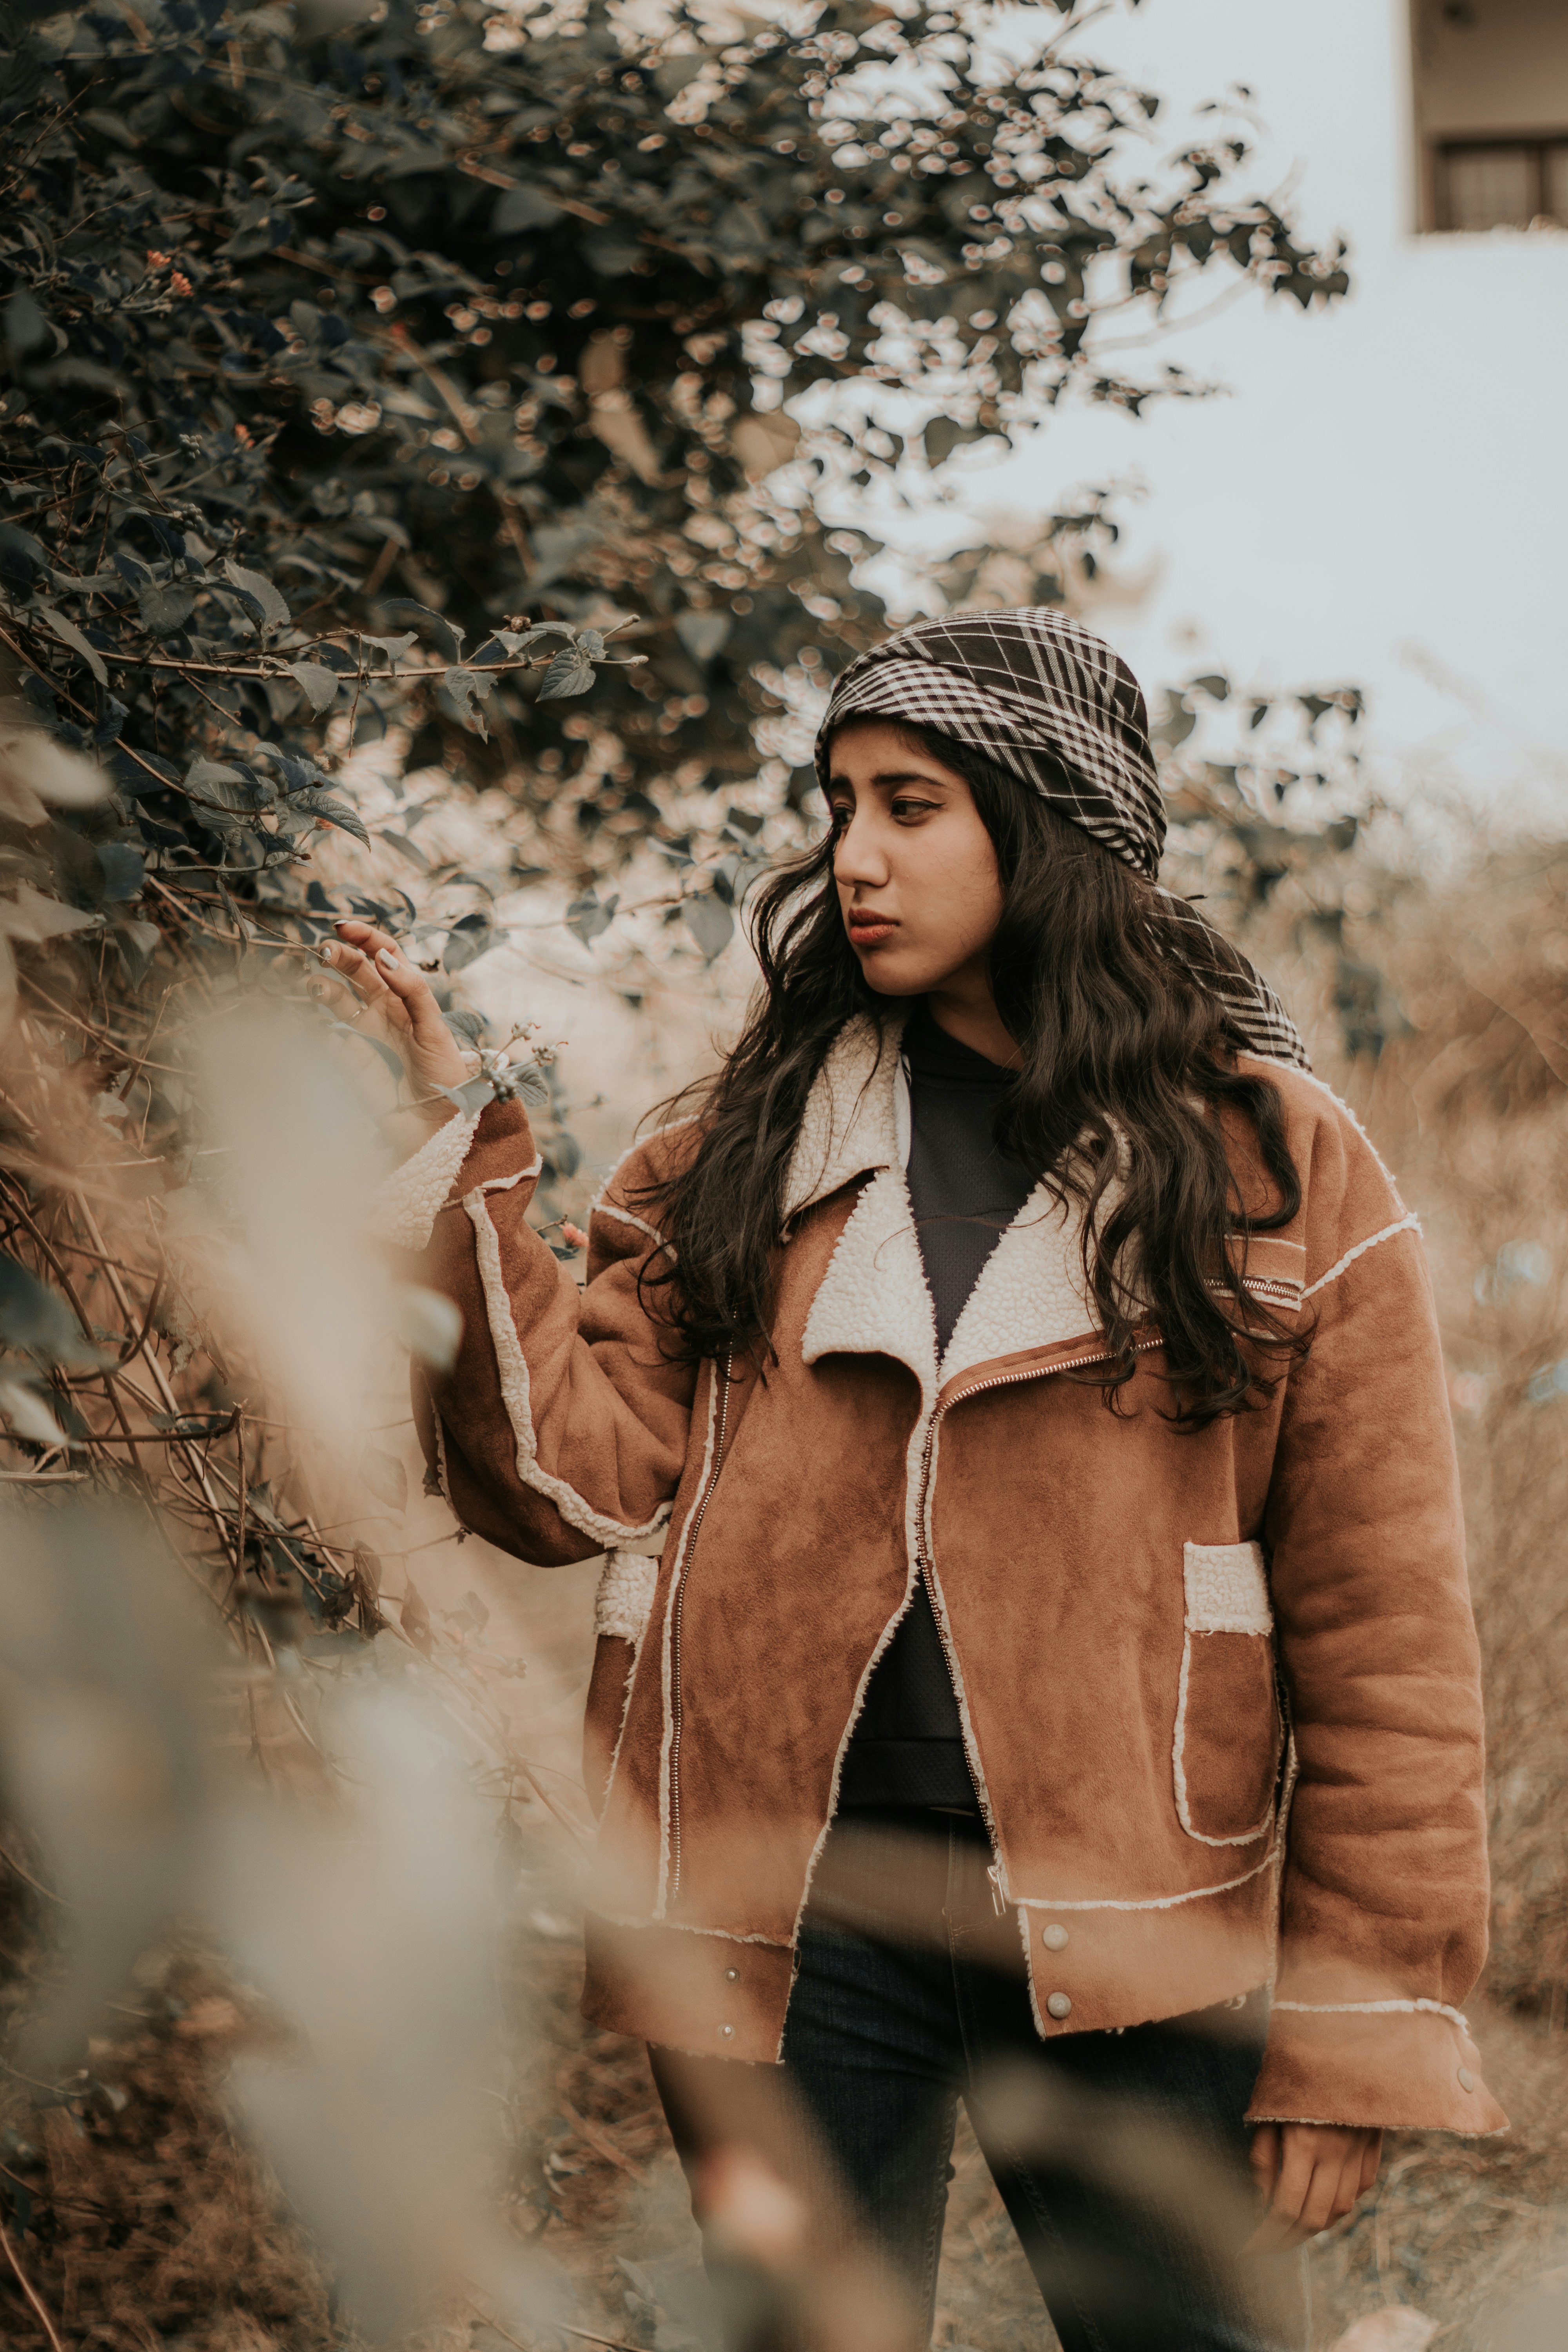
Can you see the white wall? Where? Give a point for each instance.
(1383, 498)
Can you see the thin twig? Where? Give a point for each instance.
(48, 1891)
(31, 2292)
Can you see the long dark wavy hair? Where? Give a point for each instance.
(1128, 1062)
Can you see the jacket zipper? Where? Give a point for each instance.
(922, 1558)
(723, 1379)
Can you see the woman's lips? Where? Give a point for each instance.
(870, 931)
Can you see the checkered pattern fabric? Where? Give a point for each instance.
(1053, 705)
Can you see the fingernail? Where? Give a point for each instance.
(387, 957)
(325, 952)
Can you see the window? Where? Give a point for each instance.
(1484, 183)
(1491, 106)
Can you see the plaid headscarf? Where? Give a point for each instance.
(1051, 704)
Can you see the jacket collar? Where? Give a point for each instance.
(874, 1298)
(850, 1124)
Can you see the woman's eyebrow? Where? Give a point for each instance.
(890, 776)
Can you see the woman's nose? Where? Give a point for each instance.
(858, 858)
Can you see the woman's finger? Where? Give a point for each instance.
(1264, 2159)
(1371, 2159)
(417, 998)
(365, 937)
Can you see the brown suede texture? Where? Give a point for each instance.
(1145, 1789)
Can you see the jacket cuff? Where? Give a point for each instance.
(481, 1146)
(1393, 2065)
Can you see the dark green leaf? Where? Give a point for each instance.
(569, 673)
(262, 593)
(523, 207)
(703, 635)
(70, 634)
(163, 610)
(124, 870)
(319, 683)
(38, 1320)
(710, 923)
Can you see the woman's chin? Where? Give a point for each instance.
(892, 974)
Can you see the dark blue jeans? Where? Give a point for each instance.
(1122, 2157)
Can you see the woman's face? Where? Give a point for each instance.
(915, 867)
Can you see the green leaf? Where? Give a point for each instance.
(587, 916)
(28, 1414)
(70, 634)
(571, 672)
(38, 1320)
(124, 871)
(467, 942)
(319, 682)
(523, 207)
(333, 810)
(710, 923)
(262, 593)
(472, 1096)
(164, 609)
(704, 634)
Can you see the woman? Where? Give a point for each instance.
(1035, 1648)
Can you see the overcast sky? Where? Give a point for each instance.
(1381, 497)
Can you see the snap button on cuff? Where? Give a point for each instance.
(1059, 2005)
(726, 2031)
(1467, 2080)
(731, 1975)
(1054, 1937)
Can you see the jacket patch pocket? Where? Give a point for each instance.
(1226, 1755)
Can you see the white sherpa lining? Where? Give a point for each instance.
(690, 1927)
(511, 1366)
(1031, 1291)
(1227, 1589)
(1142, 1902)
(1227, 1592)
(666, 1668)
(1406, 1224)
(406, 1204)
(850, 1122)
(624, 1602)
(874, 1299)
(1179, 1767)
(1377, 2009)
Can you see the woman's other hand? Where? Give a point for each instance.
(1310, 2176)
(398, 1008)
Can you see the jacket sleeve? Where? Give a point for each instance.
(1384, 1896)
(560, 1431)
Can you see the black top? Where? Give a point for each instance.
(907, 1749)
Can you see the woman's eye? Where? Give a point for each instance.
(909, 810)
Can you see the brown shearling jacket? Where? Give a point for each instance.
(1219, 1691)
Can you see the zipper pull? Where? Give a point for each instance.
(994, 1874)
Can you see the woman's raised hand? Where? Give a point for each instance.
(398, 1008)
